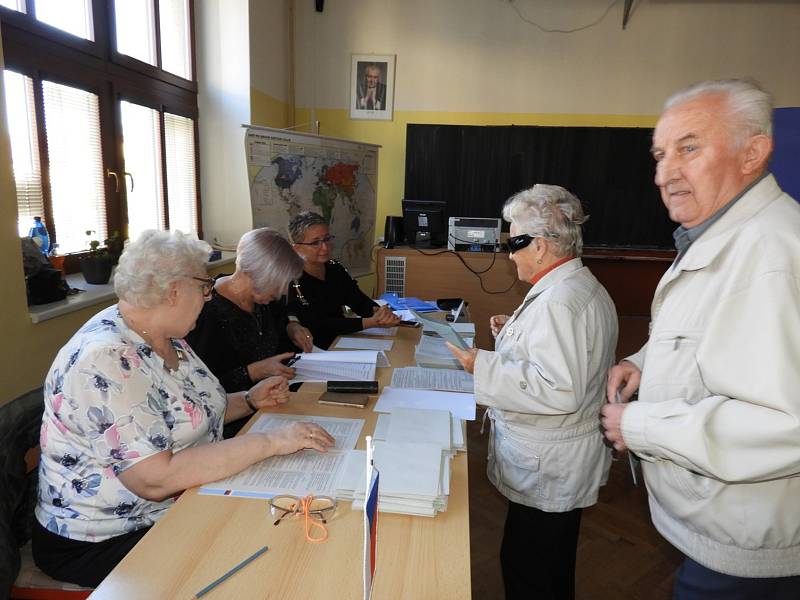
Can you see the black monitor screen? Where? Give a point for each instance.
(425, 223)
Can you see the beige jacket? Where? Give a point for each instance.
(545, 384)
(718, 417)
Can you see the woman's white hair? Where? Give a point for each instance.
(302, 222)
(550, 212)
(749, 107)
(150, 264)
(268, 259)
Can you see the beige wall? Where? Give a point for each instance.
(477, 62)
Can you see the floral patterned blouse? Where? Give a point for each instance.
(109, 402)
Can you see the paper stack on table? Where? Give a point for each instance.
(363, 343)
(415, 478)
(388, 331)
(446, 380)
(424, 426)
(459, 405)
(353, 365)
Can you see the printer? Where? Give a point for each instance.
(471, 234)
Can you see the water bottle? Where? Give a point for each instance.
(39, 234)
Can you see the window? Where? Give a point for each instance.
(103, 127)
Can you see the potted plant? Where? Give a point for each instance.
(97, 264)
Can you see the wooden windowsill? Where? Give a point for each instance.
(93, 294)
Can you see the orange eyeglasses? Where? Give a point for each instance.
(316, 511)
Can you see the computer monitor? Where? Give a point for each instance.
(425, 223)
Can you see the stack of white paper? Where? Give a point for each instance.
(414, 478)
(459, 405)
(421, 378)
(354, 365)
(362, 343)
(388, 331)
(425, 426)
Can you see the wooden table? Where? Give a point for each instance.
(201, 537)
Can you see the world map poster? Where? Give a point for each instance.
(293, 172)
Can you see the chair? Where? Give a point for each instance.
(20, 420)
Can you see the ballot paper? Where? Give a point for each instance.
(443, 328)
(460, 405)
(458, 430)
(299, 474)
(362, 343)
(388, 331)
(464, 328)
(345, 431)
(432, 352)
(353, 365)
(446, 380)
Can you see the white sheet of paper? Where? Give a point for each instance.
(443, 328)
(446, 380)
(382, 426)
(388, 331)
(463, 328)
(345, 431)
(412, 425)
(299, 474)
(352, 343)
(460, 405)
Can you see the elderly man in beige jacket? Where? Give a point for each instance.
(717, 423)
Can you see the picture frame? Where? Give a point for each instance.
(372, 87)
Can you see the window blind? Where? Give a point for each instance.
(181, 175)
(24, 149)
(77, 194)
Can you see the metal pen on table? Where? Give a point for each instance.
(632, 460)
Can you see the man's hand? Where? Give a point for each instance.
(272, 391)
(625, 378)
(465, 357)
(271, 366)
(496, 323)
(611, 421)
(300, 336)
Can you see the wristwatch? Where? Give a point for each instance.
(249, 402)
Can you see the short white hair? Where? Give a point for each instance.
(150, 264)
(550, 212)
(268, 259)
(749, 107)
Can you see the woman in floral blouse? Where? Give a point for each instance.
(133, 417)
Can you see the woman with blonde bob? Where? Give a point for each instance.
(244, 333)
(133, 417)
(544, 385)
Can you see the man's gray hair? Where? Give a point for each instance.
(268, 259)
(301, 222)
(749, 107)
(550, 212)
(150, 264)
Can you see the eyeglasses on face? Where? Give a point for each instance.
(316, 511)
(518, 242)
(317, 243)
(207, 287)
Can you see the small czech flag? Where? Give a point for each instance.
(370, 522)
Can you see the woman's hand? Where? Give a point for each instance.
(300, 336)
(465, 357)
(299, 435)
(381, 317)
(271, 366)
(496, 323)
(272, 391)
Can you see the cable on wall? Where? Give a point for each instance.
(513, 4)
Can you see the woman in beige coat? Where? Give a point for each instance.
(544, 385)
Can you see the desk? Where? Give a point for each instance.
(201, 537)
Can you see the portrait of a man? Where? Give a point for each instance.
(372, 86)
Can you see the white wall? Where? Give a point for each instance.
(223, 77)
(480, 56)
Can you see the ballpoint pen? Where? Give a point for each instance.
(631, 458)
(292, 360)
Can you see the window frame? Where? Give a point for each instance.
(43, 52)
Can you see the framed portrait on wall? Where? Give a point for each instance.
(372, 86)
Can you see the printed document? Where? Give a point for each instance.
(446, 380)
(356, 365)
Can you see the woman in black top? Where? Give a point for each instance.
(244, 332)
(325, 287)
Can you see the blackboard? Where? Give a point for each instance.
(475, 169)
